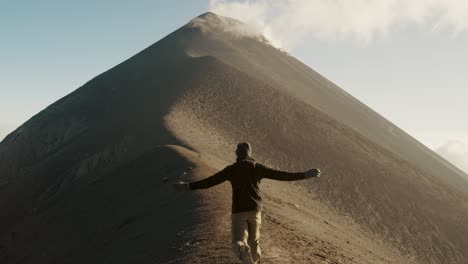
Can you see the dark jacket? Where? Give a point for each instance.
(245, 175)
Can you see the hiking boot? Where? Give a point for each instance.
(245, 255)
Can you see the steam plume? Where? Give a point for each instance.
(289, 22)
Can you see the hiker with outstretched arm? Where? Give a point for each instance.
(245, 175)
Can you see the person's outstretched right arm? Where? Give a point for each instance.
(269, 173)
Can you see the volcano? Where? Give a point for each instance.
(88, 179)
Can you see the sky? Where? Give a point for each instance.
(407, 60)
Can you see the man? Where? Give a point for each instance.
(245, 175)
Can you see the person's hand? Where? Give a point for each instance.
(181, 186)
(313, 173)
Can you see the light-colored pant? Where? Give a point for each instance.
(245, 230)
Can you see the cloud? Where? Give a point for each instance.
(456, 152)
(287, 23)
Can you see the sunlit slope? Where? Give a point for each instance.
(221, 37)
(421, 214)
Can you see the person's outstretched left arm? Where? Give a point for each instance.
(211, 181)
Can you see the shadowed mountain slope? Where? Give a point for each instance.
(88, 178)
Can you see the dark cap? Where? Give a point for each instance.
(244, 150)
